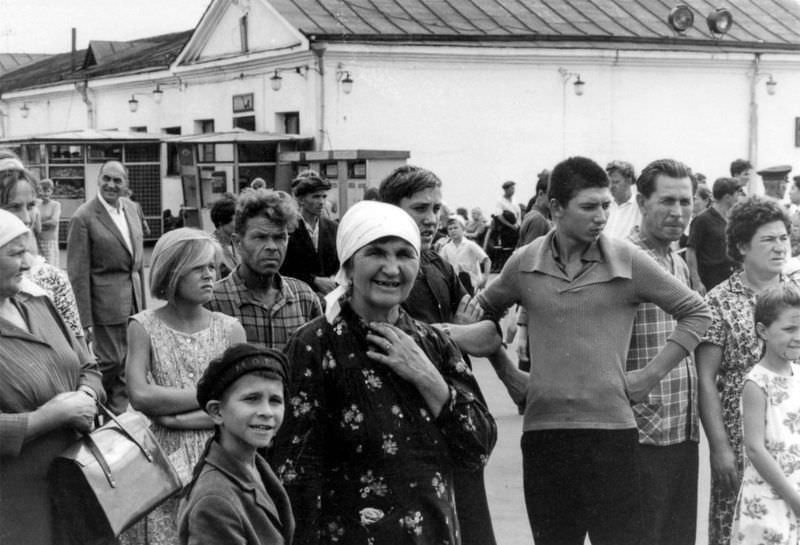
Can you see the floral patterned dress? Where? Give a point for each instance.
(762, 517)
(732, 329)
(363, 459)
(178, 360)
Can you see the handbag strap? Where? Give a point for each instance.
(98, 455)
(126, 432)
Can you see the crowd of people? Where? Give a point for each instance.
(310, 378)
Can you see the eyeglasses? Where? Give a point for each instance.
(117, 180)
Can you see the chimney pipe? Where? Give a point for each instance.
(74, 47)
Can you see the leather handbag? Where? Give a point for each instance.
(109, 479)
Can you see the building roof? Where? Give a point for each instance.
(100, 59)
(761, 24)
(87, 135)
(12, 61)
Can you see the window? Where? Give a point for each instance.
(243, 33)
(204, 125)
(243, 103)
(100, 153)
(138, 129)
(205, 152)
(261, 152)
(173, 168)
(246, 122)
(288, 122)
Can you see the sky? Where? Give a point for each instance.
(43, 26)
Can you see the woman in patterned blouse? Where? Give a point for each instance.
(758, 239)
(381, 407)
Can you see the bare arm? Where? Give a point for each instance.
(151, 399)
(691, 260)
(515, 381)
(708, 358)
(477, 339)
(754, 408)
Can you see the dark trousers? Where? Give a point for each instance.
(668, 477)
(580, 482)
(472, 507)
(110, 345)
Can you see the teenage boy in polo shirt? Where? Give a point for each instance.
(581, 290)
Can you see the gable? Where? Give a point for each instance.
(219, 33)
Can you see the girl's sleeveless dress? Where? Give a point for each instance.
(761, 515)
(177, 360)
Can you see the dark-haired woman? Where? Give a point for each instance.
(758, 240)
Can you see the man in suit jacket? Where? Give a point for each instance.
(104, 263)
(311, 254)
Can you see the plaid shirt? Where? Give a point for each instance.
(267, 326)
(669, 415)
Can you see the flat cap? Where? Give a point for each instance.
(775, 173)
(508, 184)
(309, 181)
(236, 361)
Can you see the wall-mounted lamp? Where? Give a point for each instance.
(276, 80)
(681, 18)
(158, 94)
(344, 79)
(578, 85)
(772, 85)
(24, 111)
(719, 21)
(133, 104)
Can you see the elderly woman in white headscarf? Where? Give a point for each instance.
(49, 385)
(382, 407)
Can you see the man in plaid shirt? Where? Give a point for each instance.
(270, 306)
(667, 419)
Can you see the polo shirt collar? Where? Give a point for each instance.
(610, 258)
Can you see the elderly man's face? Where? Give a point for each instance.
(112, 182)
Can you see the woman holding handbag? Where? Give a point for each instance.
(49, 385)
(168, 350)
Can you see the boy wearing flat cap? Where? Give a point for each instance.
(234, 496)
(311, 253)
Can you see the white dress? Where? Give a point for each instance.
(762, 516)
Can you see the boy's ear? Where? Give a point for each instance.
(213, 410)
(761, 330)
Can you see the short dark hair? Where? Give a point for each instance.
(573, 175)
(723, 187)
(746, 217)
(405, 181)
(277, 206)
(740, 165)
(646, 184)
(542, 182)
(223, 210)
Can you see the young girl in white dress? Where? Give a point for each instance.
(768, 507)
(169, 348)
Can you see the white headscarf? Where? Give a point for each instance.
(10, 227)
(365, 222)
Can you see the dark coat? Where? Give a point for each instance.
(226, 506)
(303, 261)
(105, 276)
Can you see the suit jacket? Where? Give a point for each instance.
(225, 504)
(106, 277)
(303, 261)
